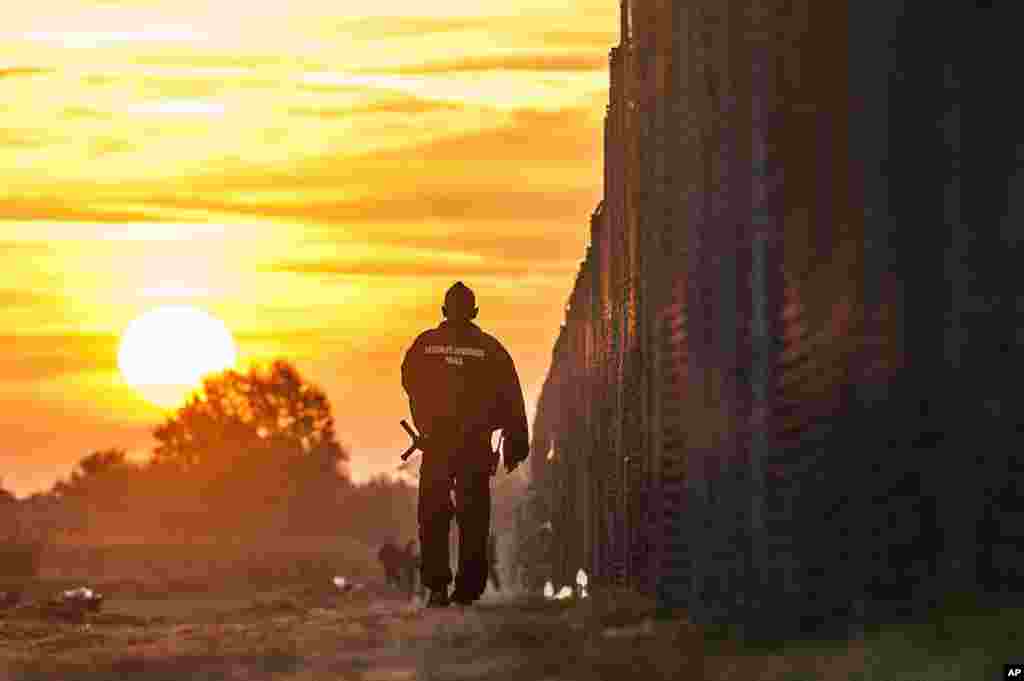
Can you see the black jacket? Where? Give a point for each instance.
(462, 382)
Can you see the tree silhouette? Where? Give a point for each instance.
(103, 461)
(247, 411)
(258, 445)
(253, 457)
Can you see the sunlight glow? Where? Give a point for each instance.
(313, 173)
(165, 353)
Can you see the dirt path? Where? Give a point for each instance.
(374, 637)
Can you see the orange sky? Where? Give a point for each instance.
(313, 176)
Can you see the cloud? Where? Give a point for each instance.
(450, 203)
(108, 145)
(13, 72)
(26, 138)
(572, 38)
(418, 268)
(545, 246)
(397, 105)
(530, 136)
(214, 61)
(57, 209)
(100, 79)
(179, 107)
(519, 29)
(183, 88)
(308, 335)
(21, 248)
(394, 27)
(82, 112)
(15, 298)
(539, 170)
(568, 138)
(27, 358)
(582, 61)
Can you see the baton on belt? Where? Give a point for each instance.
(417, 440)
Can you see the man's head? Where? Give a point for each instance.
(459, 303)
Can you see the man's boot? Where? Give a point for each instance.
(461, 598)
(438, 598)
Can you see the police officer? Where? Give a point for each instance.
(462, 386)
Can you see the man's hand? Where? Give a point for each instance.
(418, 441)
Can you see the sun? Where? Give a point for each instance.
(165, 353)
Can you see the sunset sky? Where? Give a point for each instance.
(311, 174)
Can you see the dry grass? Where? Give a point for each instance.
(300, 632)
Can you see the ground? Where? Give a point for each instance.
(315, 632)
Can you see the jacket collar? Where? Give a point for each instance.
(449, 324)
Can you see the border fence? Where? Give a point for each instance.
(782, 386)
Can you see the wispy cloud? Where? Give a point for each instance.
(104, 146)
(183, 89)
(286, 168)
(528, 142)
(453, 203)
(212, 61)
(529, 135)
(84, 112)
(393, 27)
(186, 107)
(26, 138)
(578, 38)
(395, 105)
(18, 298)
(518, 29)
(583, 61)
(25, 248)
(15, 71)
(44, 357)
(438, 266)
(59, 209)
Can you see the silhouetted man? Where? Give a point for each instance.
(462, 386)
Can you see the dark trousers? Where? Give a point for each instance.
(494, 578)
(465, 470)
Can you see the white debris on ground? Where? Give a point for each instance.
(81, 593)
(549, 589)
(563, 593)
(581, 582)
(346, 586)
(76, 601)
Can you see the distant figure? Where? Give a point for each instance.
(409, 565)
(492, 560)
(462, 386)
(391, 558)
